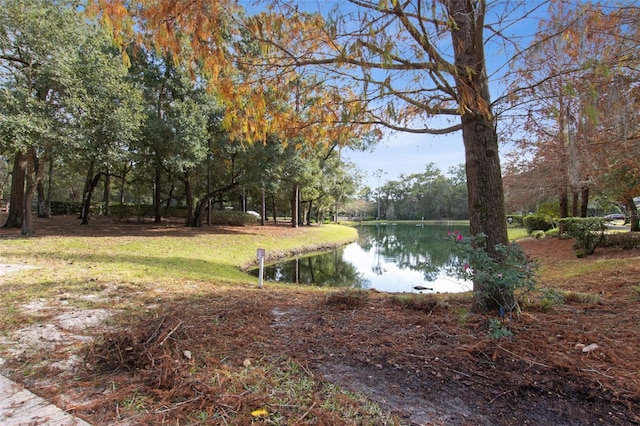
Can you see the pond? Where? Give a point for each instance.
(389, 258)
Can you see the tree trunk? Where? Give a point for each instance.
(484, 186)
(294, 205)
(157, 194)
(275, 210)
(584, 201)
(633, 215)
(90, 185)
(564, 208)
(106, 195)
(198, 212)
(575, 201)
(42, 199)
(243, 200)
(188, 190)
(27, 216)
(263, 207)
(123, 182)
(49, 188)
(484, 177)
(300, 210)
(16, 199)
(309, 212)
(172, 188)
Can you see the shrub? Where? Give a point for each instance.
(65, 207)
(498, 330)
(587, 233)
(416, 302)
(626, 240)
(501, 278)
(232, 218)
(538, 234)
(537, 222)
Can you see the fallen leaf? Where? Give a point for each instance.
(261, 412)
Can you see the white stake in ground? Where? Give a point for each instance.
(261, 268)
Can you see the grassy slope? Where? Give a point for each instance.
(81, 265)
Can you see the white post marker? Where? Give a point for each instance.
(261, 269)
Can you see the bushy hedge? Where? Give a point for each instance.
(623, 240)
(73, 208)
(537, 222)
(232, 218)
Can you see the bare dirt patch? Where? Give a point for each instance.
(573, 363)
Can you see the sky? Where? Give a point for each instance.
(403, 153)
(407, 153)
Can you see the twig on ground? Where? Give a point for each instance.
(524, 358)
(502, 394)
(305, 413)
(592, 370)
(170, 333)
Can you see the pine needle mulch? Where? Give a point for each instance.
(278, 356)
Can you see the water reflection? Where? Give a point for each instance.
(388, 258)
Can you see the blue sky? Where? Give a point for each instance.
(404, 153)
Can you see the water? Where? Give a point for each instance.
(389, 258)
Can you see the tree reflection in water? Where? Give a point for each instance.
(385, 257)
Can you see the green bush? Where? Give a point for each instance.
(537, 234)
(66, 207)
(537, 222)
(503, 278)
(623, 240)
(232, 218)
(587, 233)
(125, 211)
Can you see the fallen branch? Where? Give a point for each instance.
(502, 394)
(305, 413)
(170, 333)
(591, 370)
(524, 358)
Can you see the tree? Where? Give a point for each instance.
(395, 61)
(107, 111)
(38, 42)
(575, 94)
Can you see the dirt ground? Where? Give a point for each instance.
(427, 360)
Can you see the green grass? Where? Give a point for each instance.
(198, 257)
(146, 265)
(516, 233)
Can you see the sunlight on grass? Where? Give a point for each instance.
(200, 257)
(140, 264)
(516, 233)
(578, 267)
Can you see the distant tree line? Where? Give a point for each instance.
(429, 195)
